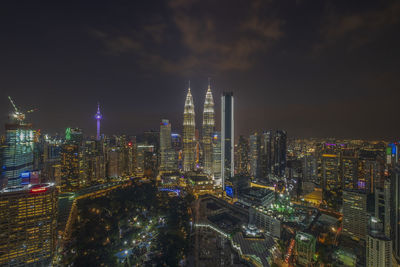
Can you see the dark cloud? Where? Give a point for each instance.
(137, 56)
(357, 29)
(204, 47)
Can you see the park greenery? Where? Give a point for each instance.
(132, 226)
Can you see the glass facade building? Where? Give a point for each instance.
(18, 153)
(227, 137)
(216, 142)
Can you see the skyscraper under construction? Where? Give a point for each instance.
(208, 130)
(189, 134)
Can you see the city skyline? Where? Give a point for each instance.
(339, 79)
(200, 133)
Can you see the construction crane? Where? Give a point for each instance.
(18, 114)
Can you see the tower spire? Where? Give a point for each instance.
(98, 117)
(189, 133)
(208, 130)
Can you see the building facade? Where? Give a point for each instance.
(18, 153)
(208, 131)
(216, 142)
(168, 154)
(379, 250)
(242, 157)
(70, 167)
(227, 137)
(355, 219)
(28, 220)
(189, 128)
(305, 249)
(254, 155)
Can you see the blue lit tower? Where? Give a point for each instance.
(18, 150)
(98, 117)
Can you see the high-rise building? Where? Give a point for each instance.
(227, 137)
(177, 147)
(168, 154)
(304, 249)
(208, 130)
(28, 220)
(349, 163)
(329, 173)
(145, 159)
(369, 170)
(310, 168)
(93, 167)
(379, 250)
(216, 143)
(254, 155)
(70, 167)
(395, 210)
(355, 218)
(266, 155)
(115, 162)
(242, 157)
(280, 139)
(273, 154)
(165, 142)
(98, 118)
(74, 136)
(18, 152)
(382, 206)
(189, 142)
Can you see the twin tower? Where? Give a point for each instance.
(224, 158)
(189, 130)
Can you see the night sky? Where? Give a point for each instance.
(315, 68)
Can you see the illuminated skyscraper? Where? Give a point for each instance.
(18, 152)
(254, 155)
(169, 161)
(329, 173)
(70, 167)
(216, 154)
(280, 153)
(272, 154)
(28, 220)
(242, 157)
(349, 162)
(98, 118)
(208, 130)
(227, 137)
(189, 141)
(355, 218)
(382, 206)
(165, 142)
(395, 209)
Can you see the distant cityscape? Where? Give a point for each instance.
(202, 197)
